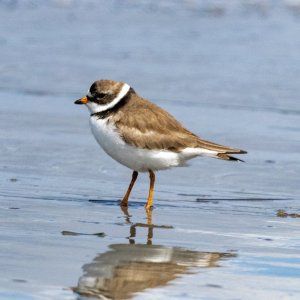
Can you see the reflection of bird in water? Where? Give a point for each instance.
(127, 269)
(147, 225)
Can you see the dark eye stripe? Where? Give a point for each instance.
(100, 95)
(97, 98)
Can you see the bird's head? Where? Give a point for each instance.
(104, 95)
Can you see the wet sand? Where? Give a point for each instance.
(229, 74)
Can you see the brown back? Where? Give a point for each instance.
(147, 126)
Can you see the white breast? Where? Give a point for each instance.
(137, 159)
(134, 158)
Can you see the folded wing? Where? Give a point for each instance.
(147, 126)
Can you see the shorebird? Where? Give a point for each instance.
(142, 136)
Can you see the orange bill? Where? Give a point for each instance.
(83, 100)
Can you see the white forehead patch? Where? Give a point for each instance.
(89, 94)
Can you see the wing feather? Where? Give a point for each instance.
(145, 125)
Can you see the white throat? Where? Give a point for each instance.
(95, 107)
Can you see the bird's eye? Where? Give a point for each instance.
(101, 95)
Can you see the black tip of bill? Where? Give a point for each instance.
(78, 101)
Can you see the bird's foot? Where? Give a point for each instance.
(123, 203)
(148, 208)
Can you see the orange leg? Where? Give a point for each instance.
(149, 203)
(124, 202)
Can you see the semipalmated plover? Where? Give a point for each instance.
(142, 136)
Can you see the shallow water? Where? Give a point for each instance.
(229, 72)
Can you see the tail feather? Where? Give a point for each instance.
(221, 152)
(219, 148)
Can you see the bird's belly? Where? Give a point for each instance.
(134, 158)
